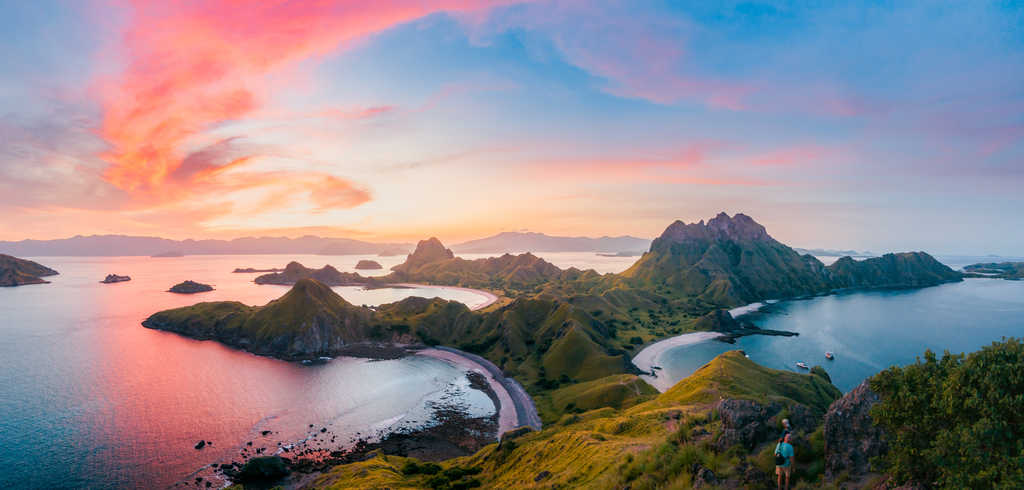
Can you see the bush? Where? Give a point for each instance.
(636, 340)
(264, 468)
(955, 422)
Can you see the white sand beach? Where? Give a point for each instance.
(751, 308)
(488, 297)
(650, 356)
(509, 414)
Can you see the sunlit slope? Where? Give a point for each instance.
(601, 448)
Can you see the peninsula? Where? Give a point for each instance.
(20, 272)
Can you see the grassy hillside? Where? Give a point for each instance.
(658, 443)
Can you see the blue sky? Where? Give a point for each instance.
(869, 125)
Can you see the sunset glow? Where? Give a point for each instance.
(401, 119)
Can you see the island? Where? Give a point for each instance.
(1013, 271)
(112, 278)
(250, 270)
(294, 271)
(21, 272)
(568, 336)
(368, 265)
(190, 287)
(169, 254)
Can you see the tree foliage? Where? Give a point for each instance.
(955, 421)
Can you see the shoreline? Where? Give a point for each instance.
(491, 297)
(650, 356)
(515, 407)
(751, 308)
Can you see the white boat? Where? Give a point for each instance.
(802, 365)
(830, 356)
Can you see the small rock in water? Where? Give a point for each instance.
(200, 444)
(324, 429)
(266, 432)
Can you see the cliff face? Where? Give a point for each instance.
(20, 272)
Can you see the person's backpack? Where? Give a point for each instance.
(780, 460)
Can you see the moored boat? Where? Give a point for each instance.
(802, 365)
(830, 356)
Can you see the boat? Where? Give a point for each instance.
(830, 356)
(802, 365)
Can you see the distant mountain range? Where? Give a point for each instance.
(827, 252)
(118, 245)
(512, 242)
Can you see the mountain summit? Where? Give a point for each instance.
(727, 261)
(722, 227)
(730, 261)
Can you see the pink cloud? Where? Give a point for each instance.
(195, 64)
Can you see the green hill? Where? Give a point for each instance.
(660, 443)
(310, 320)
(732, 261)
(728, 261)
(893, 270)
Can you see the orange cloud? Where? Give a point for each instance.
(192, 65)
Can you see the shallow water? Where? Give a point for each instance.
(90, 398)
(870, 331)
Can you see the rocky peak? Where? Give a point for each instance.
(722, 227)
(429, 250)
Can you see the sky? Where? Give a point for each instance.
(861, 125)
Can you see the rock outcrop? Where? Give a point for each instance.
(427, 251)
(295, 272)
(851, 439)
(748, 423)
(368, 265)
(20, 272)
(112, 278)
(190, 287)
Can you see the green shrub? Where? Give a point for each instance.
(955, 422)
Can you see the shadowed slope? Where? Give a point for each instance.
(19, 272)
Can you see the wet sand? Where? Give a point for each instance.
(650, 356)
(516, 408)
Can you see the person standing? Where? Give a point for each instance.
(784, 460)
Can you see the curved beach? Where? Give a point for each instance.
(489, 298)
(650, 356)
(516, 408)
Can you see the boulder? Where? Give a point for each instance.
(744, 423)
(851, 438)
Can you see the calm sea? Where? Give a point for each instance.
(90, 398)
(872, 330)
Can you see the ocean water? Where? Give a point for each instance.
(90, 398)
(871, 330)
